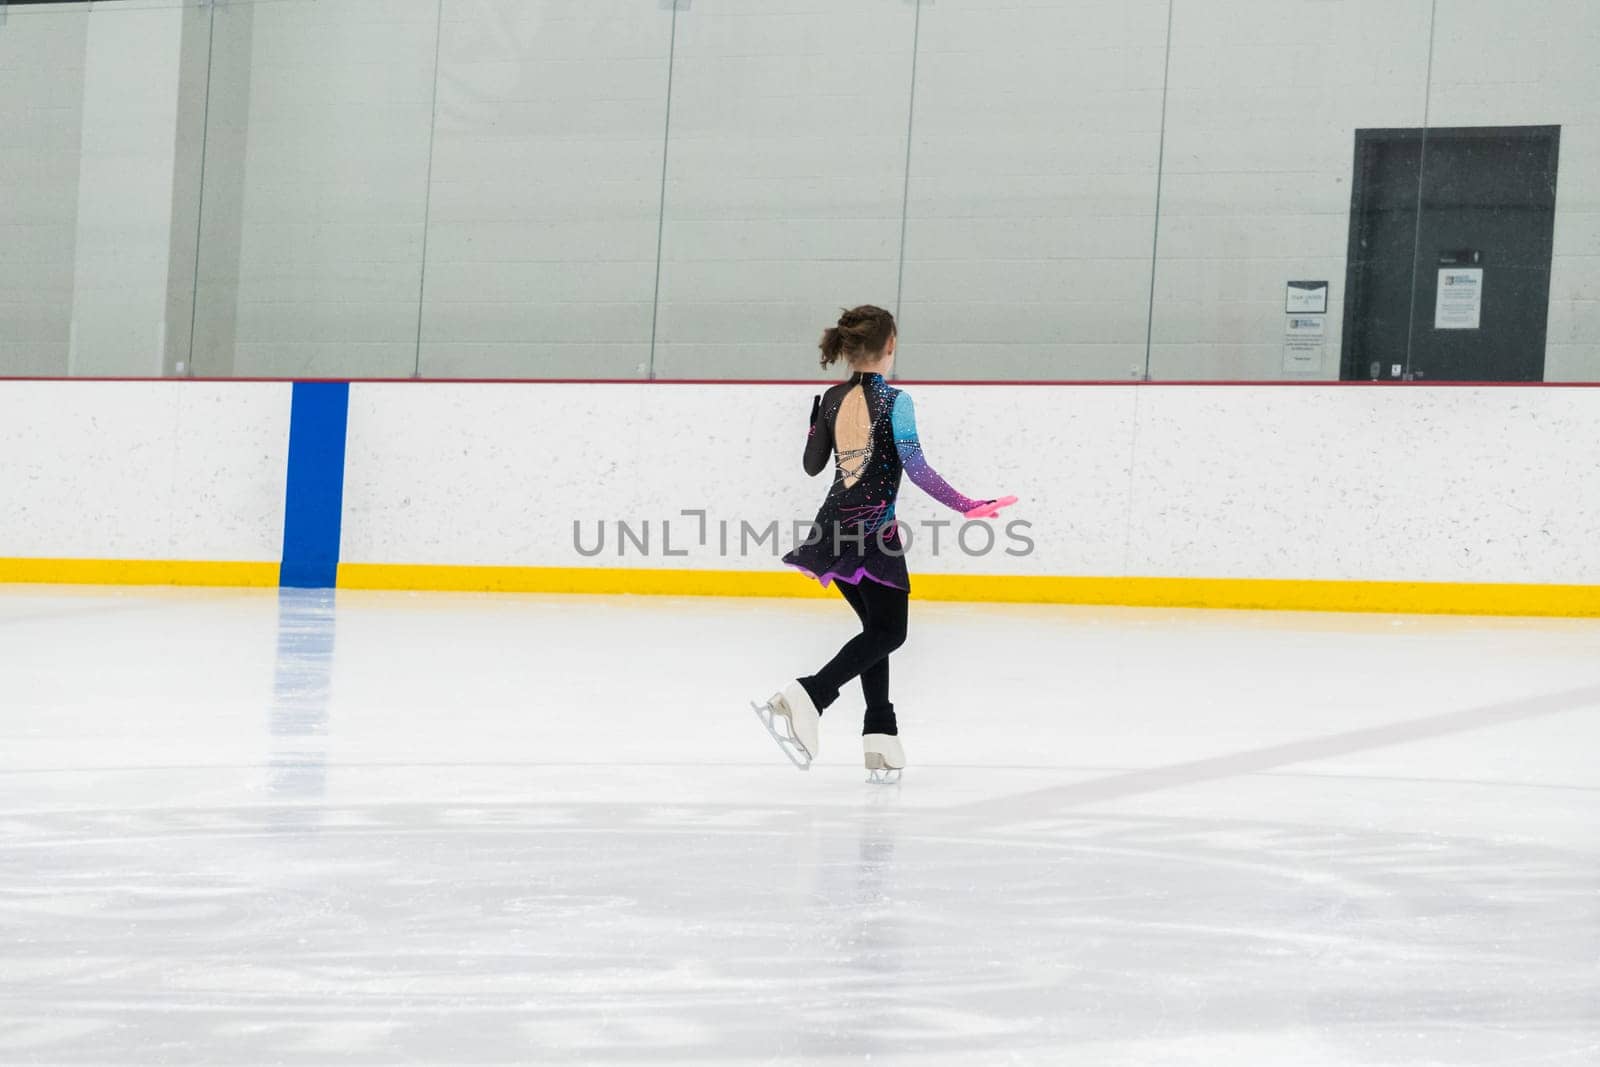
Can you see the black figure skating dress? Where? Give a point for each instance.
(870, 429)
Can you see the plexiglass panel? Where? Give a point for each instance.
(318, 130)
(546, 188)
(1032, 191)
(88, 110)
(785, 179)
(1518, 88)
(42, 56)
(1263, 101)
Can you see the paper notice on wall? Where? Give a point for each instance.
(1460, 303)
(1305, 340)
(1306, 298)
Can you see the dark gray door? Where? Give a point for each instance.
(1483, 239)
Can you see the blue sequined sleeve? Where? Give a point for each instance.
(904, 421)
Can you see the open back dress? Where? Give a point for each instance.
(870, 430)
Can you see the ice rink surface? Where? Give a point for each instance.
(238, 827)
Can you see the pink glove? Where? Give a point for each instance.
(989, 509)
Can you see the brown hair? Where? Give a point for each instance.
(862, 331)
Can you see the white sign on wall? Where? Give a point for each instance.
(1460, 302)
(1305, 340)
(1306, 298)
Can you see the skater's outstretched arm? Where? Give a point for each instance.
(916, 464)
(819, 442)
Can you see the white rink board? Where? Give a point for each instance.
(495, 474)
(1449, 484)
(155, 470)
(1470, 484)
(1475, 484)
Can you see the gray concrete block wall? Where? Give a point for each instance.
(42, 52)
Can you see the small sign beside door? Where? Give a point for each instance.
(1307, 298)
(1460, 302)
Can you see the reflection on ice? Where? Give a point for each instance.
(302, 685)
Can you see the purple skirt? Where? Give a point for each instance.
(880, 560)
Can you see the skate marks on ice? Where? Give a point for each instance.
(514, 932)
(1132, 783)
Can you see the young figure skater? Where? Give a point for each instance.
(870, 431)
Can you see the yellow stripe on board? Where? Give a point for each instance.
(644, 581)
(1426, 598)
(137, 572)
(1421, 598)
(1406, 598)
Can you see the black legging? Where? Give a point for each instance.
(882, 612)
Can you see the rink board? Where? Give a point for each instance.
(143, 482)
(1442, 499)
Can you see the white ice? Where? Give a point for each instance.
(239, 828)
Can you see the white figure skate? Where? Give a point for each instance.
(799, 718)
(885, 758)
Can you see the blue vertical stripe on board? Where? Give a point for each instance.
(315, 498)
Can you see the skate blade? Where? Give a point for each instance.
(879, 772)
(787, 741)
